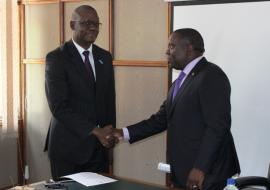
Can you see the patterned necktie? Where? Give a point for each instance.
(178, 83)
(88, 65)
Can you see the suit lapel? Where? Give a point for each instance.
(77, 61)
(187, 82)
(97, 61)
(169, 97)
(99, 64)
(178, 96)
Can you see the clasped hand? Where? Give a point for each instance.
(195, 179)
(108, 136)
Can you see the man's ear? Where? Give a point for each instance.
(72, 25)
(190, 47)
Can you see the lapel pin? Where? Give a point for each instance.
(100, 61)
(193, 74)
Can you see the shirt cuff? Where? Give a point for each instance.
(126, 134)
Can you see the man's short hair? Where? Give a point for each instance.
(194, 38)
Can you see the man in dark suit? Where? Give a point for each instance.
(81, 95)
(197, 116)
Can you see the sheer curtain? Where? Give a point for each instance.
(9, 68)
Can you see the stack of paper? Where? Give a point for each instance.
(90, 179)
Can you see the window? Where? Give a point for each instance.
(9, 66)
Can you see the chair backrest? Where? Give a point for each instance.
(243, 182)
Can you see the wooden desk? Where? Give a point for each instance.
(121, 184)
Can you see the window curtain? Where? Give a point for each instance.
(9, 68)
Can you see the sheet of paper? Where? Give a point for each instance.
(90, 179)
(22, 188)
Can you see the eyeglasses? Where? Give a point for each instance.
(88, 23)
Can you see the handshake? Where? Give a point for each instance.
(108, 136)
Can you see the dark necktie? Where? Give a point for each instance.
(88, 65)
(177, 83)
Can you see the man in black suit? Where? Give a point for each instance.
(81, 95)
(197, 116)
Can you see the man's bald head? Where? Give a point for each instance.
(77, 12)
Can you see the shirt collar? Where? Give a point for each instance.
(81, 49)
(191, 65)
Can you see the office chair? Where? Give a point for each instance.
(243, 182)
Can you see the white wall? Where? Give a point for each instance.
(237, 39)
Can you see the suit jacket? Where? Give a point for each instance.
(77, 103)
(198, 125)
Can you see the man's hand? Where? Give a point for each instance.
(195, 179)
(118, 134)
(115, 136)
(105, 136)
